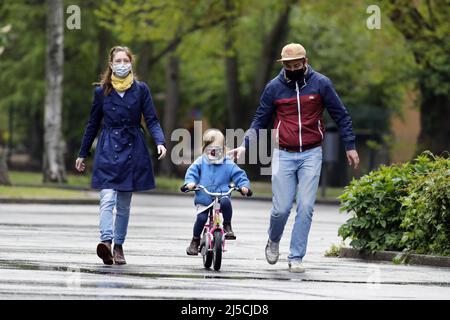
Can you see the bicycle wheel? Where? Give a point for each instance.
(206, 253)
(217, 249)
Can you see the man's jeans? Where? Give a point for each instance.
(110, 198)
(294, 175)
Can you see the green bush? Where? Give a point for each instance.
(400, 207)
(427, 212)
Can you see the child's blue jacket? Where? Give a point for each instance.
(214, 177)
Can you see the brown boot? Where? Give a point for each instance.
(119, 257)
(192, 250)
(104, 252)
(229, 234)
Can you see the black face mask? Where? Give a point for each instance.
(296, 75)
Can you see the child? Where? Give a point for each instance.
(215, 172)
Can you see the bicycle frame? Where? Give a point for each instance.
(215, 220)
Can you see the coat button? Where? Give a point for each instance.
(116, 132)
(115, 146)
(116, 156)
(114, 108)
(128, 107)
(130, 144)
(129, 157)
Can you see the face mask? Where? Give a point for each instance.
(296, 75)
(121, 70)
(214, 154)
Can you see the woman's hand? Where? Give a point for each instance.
(80, 165)
(244, 190)
(161, 151)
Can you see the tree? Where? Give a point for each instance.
(4, 177)
(425, 27)
(53, 159)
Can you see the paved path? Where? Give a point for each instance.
(48, 252)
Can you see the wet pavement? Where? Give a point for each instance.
(48, 252)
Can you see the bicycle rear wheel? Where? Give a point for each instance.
(217, 249)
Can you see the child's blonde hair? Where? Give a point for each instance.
(213, 136)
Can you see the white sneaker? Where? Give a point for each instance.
(272, 251)
(296, 266)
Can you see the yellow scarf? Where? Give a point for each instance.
(122, 84)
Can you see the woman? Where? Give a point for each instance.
(122, 163)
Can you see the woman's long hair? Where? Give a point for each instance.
(105, 81)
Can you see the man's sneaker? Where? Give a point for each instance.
(296, 266)
(272, 251)
(192, 250)
(229, 234)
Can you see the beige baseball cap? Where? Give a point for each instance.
(292, 51)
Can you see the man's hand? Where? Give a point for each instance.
(161, 151)
(236, 153)
(352, 157)
(244, 190)
(80, 165)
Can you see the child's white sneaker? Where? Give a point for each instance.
(296, 266)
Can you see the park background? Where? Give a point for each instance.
(209, 61)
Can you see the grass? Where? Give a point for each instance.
(40, 193)
(30, 183)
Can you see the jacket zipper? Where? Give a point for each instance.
(318, 126)
(278, 131)
(299, 117)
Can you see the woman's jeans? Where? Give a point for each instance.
(202, 217)
(110, 199)
(295, 175)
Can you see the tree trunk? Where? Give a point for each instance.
(429, 45)
(231, 69)
(53, 160)
(103, 49)
(143, 64)
(170, 109)
(434, 121)
(4, 178)
(270, 51)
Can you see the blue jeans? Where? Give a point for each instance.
(202, 217)
(110, 199)
(294, 175)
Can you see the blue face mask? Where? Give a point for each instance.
(121, 70)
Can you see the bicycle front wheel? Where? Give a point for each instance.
(206, 253)
(217, 249)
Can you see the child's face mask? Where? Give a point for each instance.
(214, 154)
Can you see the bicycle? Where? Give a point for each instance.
(212, 243)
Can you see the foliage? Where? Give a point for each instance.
(400, 207)
(427, 211)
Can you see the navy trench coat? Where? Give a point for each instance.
(122, 161)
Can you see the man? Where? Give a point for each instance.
(297, 98)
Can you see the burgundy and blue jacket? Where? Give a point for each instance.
(298, 110)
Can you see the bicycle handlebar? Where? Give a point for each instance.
(215, 194)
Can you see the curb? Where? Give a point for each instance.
(403, 258)
(152, 192)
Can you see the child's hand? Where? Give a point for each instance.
(191, 186)
(244, 190)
